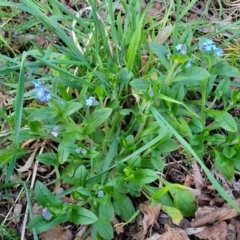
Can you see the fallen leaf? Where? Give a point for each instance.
(206, 215)
(190, 231)
(173, 234)
(57, 233)
(81, 232)
(197, 176)
(215, 232)
(150, 216)
(16, 213)
(29, 162)
(188, 181)
(117, 226)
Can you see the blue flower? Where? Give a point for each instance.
(208, 46)
(46, 214)
(100, 193)
(42, 91)
(43, 94)
(91, 101)
(182, 48)
(55, 131)
(189, 64)
(81, 150)
(37, 83)
(218, 52)
(150, 93)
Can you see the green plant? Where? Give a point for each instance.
(8, 234)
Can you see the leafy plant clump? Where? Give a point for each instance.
(111, 116)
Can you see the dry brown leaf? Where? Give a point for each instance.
(16, 213)
(155, 236)
(155, 10)
(188, 181)
(29, 162)
(216, 232)
(81, 232)
(118, 227)
(197, 176)
(173, 234)
(237, 227)
(4, 97)
(150, 215)
(208, 215)
(57, 233)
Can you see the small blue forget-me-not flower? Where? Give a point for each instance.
(189, 64)
(46, 214)
(209, 46)
(100, 193)
(55, 131)
(91, 101)
(182, 48)
(42, 91)
(81, 150)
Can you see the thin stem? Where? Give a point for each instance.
(204, 95)
(171, 72)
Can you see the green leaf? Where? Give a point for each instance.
(98, 117)
(173, 213)
(80, 176)
(187, 36)
(42, 114)
(47, 158)
(66, 147)
(134, 162)
(144, 176)
(99, 91)
(179, 58)
(140, 83)
(225, 70)
(196, 125)
(70, 108)
(192, 74)
(134, 45)
(150, 129)
(6, 155)
(184, 201)
(161, 52)
(218, 139)
(157, 161)
(43, 225)
(224, 165)
(229, 152)
(164, 199)
(224, 119)
(222, 88)
(123, 206)
(236, 161)
(105, 229)
(167, 188)
(168, 146)
(83, 191)
(35, 126)
(106, 211)
(178, 91)
(45, 197)
(80, 215)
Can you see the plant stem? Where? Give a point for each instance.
(204, 95)
(171, 72)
